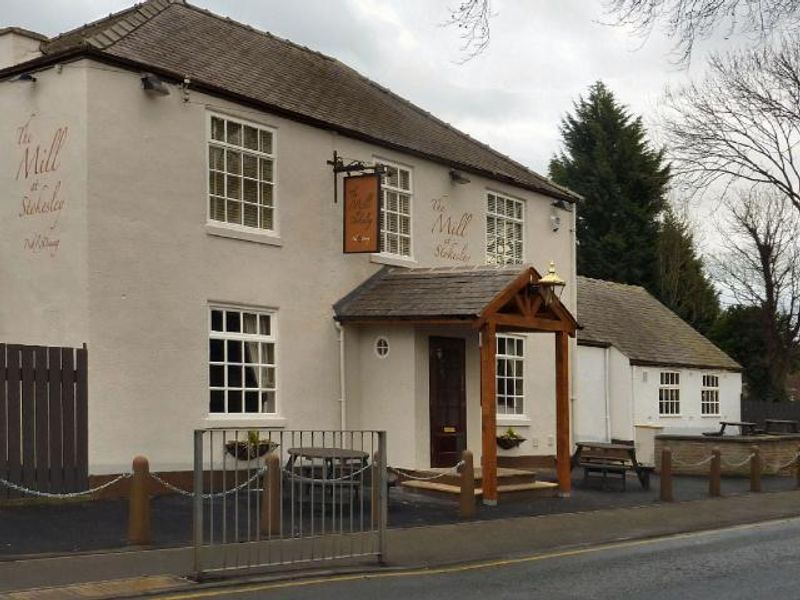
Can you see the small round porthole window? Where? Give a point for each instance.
(382, 347)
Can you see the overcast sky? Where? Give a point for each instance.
(543, 55)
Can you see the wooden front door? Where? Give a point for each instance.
(448, 400)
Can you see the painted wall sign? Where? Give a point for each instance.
(42, 197)
(362, 195)
(450, 232)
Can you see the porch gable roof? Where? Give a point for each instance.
(452, 294)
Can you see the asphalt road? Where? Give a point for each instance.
(752, 562)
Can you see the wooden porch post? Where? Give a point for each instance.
(562, 414)
(489, 413)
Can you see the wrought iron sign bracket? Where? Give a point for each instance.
(355, 166)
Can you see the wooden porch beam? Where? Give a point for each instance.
(489, 413)
(530, 323)
(563, 445)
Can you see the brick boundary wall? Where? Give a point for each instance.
(690, 449)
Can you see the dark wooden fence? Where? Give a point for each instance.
(43, 418)
(758, 411)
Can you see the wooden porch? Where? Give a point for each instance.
(488, 300)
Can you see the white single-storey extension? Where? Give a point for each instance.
(643, 370)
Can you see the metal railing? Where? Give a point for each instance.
(265, 497)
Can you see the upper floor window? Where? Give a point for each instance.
(709, 395)
(505, 220)
(396, 189)
(241, 173)
(669, 393)
(510, 375)
(241, 361)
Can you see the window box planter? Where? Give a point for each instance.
(248, 450)
(510, 439)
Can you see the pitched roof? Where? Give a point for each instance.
(647, 332)
(447, 292)
(219, 54)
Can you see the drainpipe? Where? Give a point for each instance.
(342, 380)
(606, 368)
(574, 300)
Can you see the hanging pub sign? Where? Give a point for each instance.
(362, 195)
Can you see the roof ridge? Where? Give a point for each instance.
(614, 283)
(146, 11)
(385, 90)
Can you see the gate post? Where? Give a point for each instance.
(797, 466)
(379, 495)
(466, 502)
(755, 470)
(715, 473)
(272, 498)
(666, 475)
(139, 503)
(198, 501)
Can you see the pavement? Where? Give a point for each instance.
(739, 563)
(138, 572)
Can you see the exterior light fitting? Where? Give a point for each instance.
(551, 285)
(152, 84)
(25, 77)
(458, 177)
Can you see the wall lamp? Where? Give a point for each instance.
(25, 77)
(458, 177)
(153, 84)
(551, 286)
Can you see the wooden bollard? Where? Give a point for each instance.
(797, 467)
(375, 501)
(271, 497)
(715, 474)
(755, 470)
(466, 500)
(666, 475)
(139, 503)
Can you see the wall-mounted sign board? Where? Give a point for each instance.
(362, 197)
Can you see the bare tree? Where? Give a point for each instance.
(760, 265)
(471, 17)
(741, 123)
(687, 21)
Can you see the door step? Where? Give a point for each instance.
(540, 488)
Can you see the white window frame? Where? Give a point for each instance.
(494, 258)
(514, 400)
(382, 232)
(261, 366)
(669, 393)
(241, 227)
(709, 395)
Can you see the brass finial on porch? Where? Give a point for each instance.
(551, 285)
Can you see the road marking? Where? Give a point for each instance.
(422, 572)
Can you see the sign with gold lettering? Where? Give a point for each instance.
(362, 194)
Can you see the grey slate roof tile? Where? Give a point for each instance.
(647, 332)
(178, 38)
(427, 293)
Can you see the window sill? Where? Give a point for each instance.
(710, 416)
(245, 421)
(256, 236)
(670, 416)
(511, 421)
(393, 260)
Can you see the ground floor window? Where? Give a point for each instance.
(669, 393)
(510, 375)
(241, 361)
(709, 395)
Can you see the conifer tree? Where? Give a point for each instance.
(623, 180)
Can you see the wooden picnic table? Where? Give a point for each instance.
(606, 459)
(782, 426)
(317, 465)
(745, 428)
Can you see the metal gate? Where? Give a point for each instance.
(266, 497)
(43, 419)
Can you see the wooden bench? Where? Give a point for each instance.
(781, 426)
(745, 428)
(610, 459)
